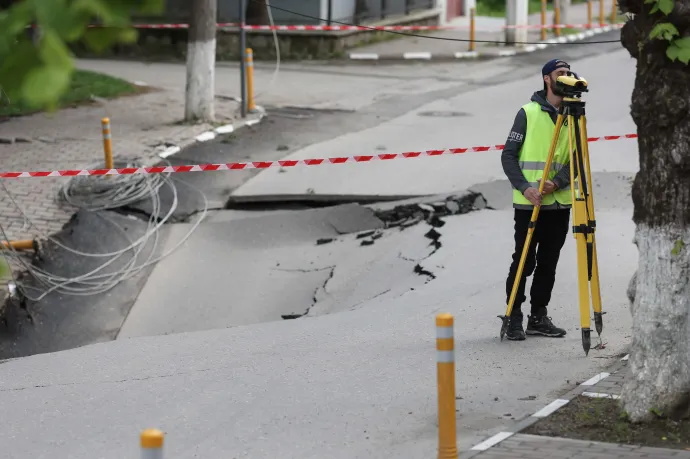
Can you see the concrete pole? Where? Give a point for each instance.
(565, 9)
(516, 15)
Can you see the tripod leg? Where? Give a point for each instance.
(580, 231)
(530, 231)
(594, 277)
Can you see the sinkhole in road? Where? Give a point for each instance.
(342, 271)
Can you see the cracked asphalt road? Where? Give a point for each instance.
(204, 354)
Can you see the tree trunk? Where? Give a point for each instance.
(201, 62)
(660, 290)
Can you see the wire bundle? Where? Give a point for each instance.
(113, 191)
(98, 193)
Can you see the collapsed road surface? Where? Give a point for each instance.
(310, 333)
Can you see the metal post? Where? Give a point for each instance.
(243, 56)
(330, 12)
(472, 29)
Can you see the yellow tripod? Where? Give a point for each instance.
(572, 112)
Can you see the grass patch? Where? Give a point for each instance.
(496, 8)
(603, 420)
(84, 85)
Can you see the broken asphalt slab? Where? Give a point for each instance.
(62, 321)
(286, 265)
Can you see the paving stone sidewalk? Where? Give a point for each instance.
(70, 139)
(522, 446)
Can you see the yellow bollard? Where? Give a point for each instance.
(151, 444)
(445, 370)
(472, 29)
(543, 20)
(250, 80)
(589, 14)
(107, 143)
(613, 12)
(557, 20)
(601, 13)
(24, 244)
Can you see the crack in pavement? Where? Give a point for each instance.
(298, 270)
(314, 299)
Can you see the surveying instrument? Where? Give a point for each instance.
(572, 113)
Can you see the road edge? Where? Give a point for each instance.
(545, 411)
(461, 55)
(253, 118)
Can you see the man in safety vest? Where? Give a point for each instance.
(524, 158)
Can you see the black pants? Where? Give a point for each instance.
(542, 258)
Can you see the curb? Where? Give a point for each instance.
(423, 55)
(254, 118)
(582, 389)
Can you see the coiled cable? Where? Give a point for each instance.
(95, 194)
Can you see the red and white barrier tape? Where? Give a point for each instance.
(420, 27)
(395, 28)
(268, 164)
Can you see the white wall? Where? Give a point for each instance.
(469, 4)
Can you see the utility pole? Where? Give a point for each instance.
(201, 61)
(516, 15)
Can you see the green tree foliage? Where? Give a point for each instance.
(37, 72)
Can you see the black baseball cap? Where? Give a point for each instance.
(553, 65)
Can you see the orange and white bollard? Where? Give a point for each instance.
(557, 19)
(543, 20)
(589, 14)
(251, 105)
(614, 11)
(107, 143)
(152, 444)
(445, 369)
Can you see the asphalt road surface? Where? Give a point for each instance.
(205, 354)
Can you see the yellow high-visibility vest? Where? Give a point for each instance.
(535, 151)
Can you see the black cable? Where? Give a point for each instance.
(431, 37)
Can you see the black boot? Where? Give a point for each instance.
(515, 331)
(541, 325)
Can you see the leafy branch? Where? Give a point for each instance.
(38, 72)
(678, 48)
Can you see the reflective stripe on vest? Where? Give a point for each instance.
(535, 151)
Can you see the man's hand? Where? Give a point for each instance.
(533, 196)
(549, 187)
